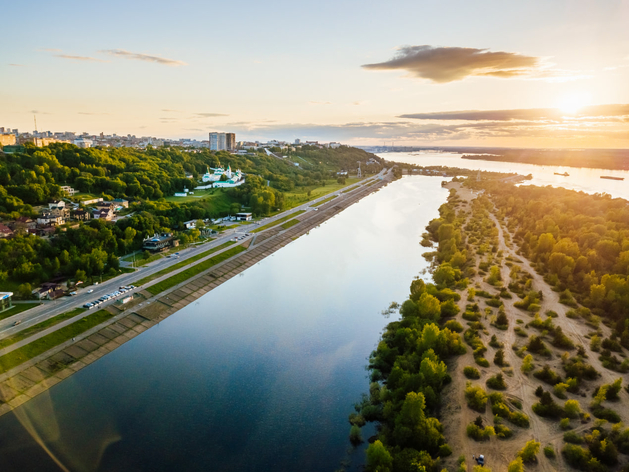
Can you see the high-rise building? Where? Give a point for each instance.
(230, 141)
(218, 141)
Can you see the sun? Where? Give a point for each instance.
(571, 103)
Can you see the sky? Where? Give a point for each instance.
(534, 73)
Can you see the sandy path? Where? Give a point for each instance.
(455, 413)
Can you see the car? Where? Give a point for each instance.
(131, 287)
(72, 294)
(90, 290)
(88, 305)
(17, 322)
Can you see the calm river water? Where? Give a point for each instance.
(258, 375)
(582, 179)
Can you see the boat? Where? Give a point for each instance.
(565, 174)
(611, 177)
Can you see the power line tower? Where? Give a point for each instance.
(359, 173)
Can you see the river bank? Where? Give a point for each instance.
(35, 376)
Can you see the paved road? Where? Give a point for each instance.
(53, 308)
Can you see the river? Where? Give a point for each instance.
(580, 178)
(257, 375)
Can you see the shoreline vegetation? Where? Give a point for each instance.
(407, 370)
(504, 256)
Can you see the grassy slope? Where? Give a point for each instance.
(39, 346)
(194, 270)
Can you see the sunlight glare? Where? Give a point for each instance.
(571, 103)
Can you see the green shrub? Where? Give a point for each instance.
(355, 435)
(502, 432)
(549, 451)
(529, 451)
(454, 325)
(481, 361)
(572, 438)
(480, 434)
(445, 450)
(565, 424)
(357, 419)
(497, 382)
(476, 397)
(546, 374)
(576, 456)
(471, 372)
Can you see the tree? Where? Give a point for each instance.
(516, 465)
(499, 357)
(429, 307)
(572, 409)
(529, 451)
(378, 458)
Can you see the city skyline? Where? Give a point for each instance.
(534, 74)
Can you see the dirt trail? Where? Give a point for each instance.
(456, 415)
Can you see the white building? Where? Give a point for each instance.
(83, 142)
(218, 142)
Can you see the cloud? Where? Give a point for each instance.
(418, 132)
(78, 58)
(38, 112)
(524, 114)
(168, 110)
(89, 113)
(50, 50)
(143, 57)
(17, 65)
(447, 64)
(210, 115)
(319, 103)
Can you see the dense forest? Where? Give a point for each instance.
(34, 177)
(144, 178)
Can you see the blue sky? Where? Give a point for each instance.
(294, 69)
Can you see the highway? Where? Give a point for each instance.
(50, 309)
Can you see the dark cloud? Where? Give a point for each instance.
(143, 57)
(524, 114)
(446, 64)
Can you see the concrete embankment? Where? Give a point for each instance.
(35, 376)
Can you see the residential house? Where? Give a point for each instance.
(121, 202)
(46, 231)
(103, 214)
(51, 218)
(5, 231)
(81, 215)
(47, 289)
(57, 205)
(68, 190)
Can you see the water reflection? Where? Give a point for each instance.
(259, 374)
(580, 178)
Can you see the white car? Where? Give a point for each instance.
(90, 290)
